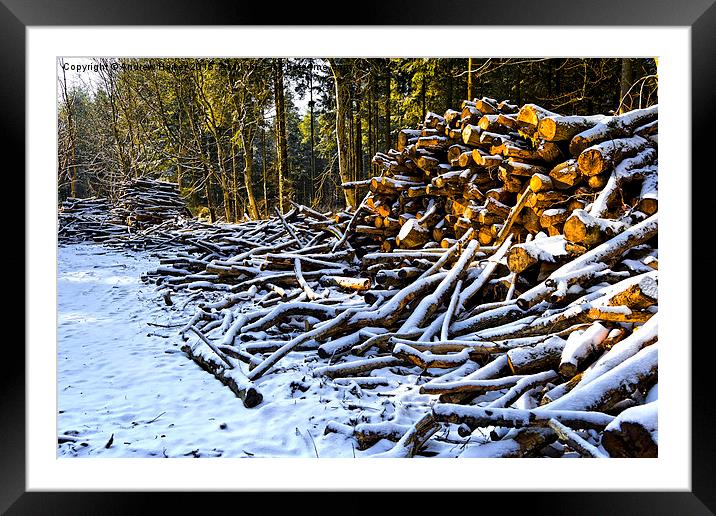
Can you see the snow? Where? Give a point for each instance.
(626, 376)
(545, 248)
(121, 376)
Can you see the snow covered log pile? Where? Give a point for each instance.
(495, 363)
(88, 219)
(146, 202)
(495, 293)
(507, 171)
(144, 205)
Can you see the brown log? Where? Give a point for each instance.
(522, 256)
(508, 121)
(540, 182)
(486, 105)
(406, 137)
(637, 372)
(599, 181)
(541, 357)
(632, 434)
(612, 128)
(345, 282)
(649, 195)
(638, 293)
(433, 143)
(580, 346)
(566, 174)
(412, 235)
(471, 135)
(455, 150)
(483, 159)
(546, 199)
(562, 128)
(357, 367)
(553, 217)
(603, 156)
(582, 228)
(575, 441)
(531, 114)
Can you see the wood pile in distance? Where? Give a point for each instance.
(143, 205)
(88, 219)
(146, 202)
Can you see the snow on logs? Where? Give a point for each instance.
(141, 204)
(509, 171)
(502, 269)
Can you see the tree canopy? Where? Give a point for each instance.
(242, 136)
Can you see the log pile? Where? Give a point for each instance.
(544, 373)
(537, 343)
(146, 202)
(144, 206)
(88, 219)
(507, 171)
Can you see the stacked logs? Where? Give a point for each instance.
(144, 206)
(88, 219)
(507, 171)
(146, 202)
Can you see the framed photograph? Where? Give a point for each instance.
(346, 258)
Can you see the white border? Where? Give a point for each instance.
(670, 471)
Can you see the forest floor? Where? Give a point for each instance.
(122, 378)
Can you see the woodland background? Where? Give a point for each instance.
(243, 136)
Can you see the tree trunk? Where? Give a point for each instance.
(265, 171)
(342, 98)
(358, 148)
(371, 151)
(625, 84)
(281, 150)
(313, 142)
(234, 178)
(247, 144)
(207, 192)
(388, 143)
(451, 85)
(423, 93)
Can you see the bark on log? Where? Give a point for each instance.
(649, 195)
(614, 127)
(606, 252)
(634, 433)
(574, 441)
(638, 372)
(541, 357)
(581, 345)
(481, 417)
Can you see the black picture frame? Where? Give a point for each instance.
(700, 15)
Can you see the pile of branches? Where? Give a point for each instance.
(145, 216)
(88, 219)
(540, 342)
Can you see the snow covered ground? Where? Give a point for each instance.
(126, 390)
